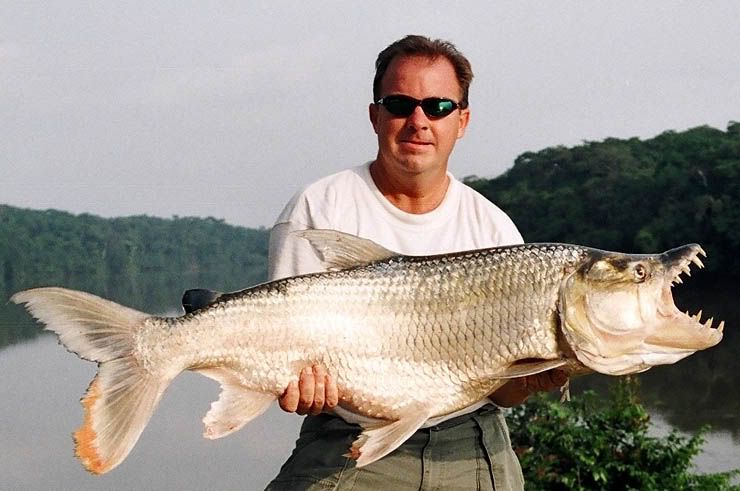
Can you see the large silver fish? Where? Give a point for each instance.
(406, 338)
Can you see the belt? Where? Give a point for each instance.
(463, 418)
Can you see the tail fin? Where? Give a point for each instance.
(123, 395)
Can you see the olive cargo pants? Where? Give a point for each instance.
(468, 452)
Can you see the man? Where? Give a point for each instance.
(406, 201)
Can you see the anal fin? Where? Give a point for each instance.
(235, 407)
(379, 439)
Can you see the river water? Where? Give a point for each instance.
(41, 385)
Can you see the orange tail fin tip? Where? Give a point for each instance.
(85, 436)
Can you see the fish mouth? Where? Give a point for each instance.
(679, 330)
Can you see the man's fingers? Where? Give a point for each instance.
(331, 391)
(314, 391)
(549, 380)
(306, 384)
(289, 400)
(319, 377)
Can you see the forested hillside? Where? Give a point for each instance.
(631, 195)
(138, 260)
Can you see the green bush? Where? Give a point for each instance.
(603, 443)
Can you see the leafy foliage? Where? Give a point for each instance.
(593, 443)
(110, 256)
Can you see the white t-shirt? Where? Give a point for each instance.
(349, 201)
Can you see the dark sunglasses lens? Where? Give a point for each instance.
(399, 106)
(437, 108)
(403, 106)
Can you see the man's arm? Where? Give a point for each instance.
(517, 391)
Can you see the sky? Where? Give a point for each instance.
(226, 109)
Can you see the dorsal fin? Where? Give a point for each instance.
(339, 250)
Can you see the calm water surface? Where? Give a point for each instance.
(39, 403)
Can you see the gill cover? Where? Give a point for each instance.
(607, 308)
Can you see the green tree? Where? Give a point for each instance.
(594, 443)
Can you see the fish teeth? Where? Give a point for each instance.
(708, 323)
(721, 326)
(697, 261)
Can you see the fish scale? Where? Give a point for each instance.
(421, 304)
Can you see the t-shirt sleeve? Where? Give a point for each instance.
(290, 255)
(507, 232)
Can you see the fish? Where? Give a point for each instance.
(406, 338)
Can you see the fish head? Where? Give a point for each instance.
(618, 315)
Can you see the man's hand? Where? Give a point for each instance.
(518, 390)
(314, 392)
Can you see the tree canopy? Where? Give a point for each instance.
(137, 260)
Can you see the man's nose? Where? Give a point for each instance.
(417, 119)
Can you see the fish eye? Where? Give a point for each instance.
(640, 272)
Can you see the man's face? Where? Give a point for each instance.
(418, 144)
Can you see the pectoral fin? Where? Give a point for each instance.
(235, 407)
(524, 368)
(379, 439)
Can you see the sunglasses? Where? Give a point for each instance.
(404, 106)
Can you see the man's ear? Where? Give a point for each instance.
(373, 113)
(464, 120)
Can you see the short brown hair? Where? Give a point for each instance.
(415, 45)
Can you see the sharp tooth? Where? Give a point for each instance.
(721, 326)
(701, 251)
(708, 323)
(697, 261)
(678, 280)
